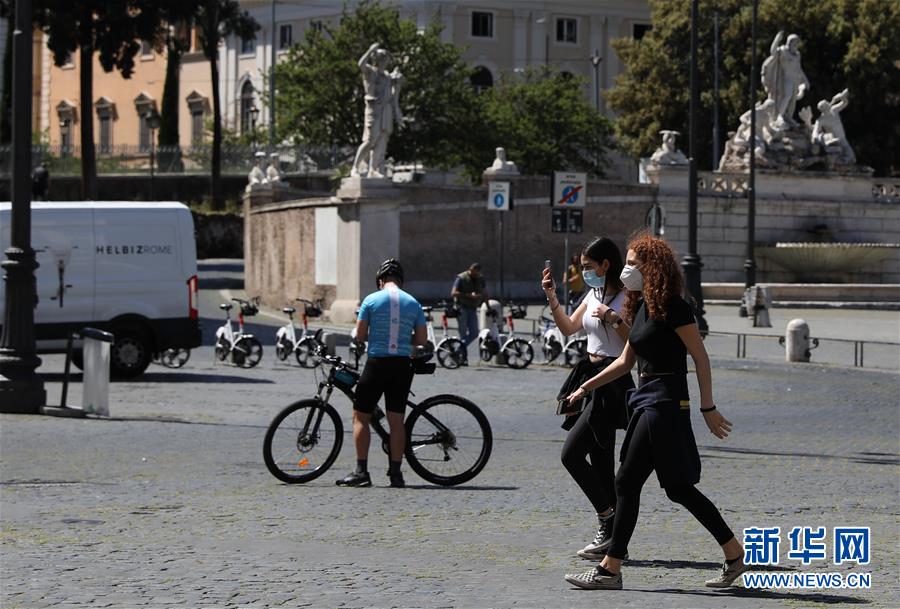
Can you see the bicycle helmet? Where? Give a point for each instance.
(389, 268)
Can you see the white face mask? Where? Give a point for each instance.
(632, 279)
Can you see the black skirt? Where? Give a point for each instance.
(675, 455)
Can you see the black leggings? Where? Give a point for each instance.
(596, 479)
(633, 473)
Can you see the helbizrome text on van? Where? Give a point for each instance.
(134, 250)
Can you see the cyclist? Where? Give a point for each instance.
(387, 318)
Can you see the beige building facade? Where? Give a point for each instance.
(499, 37)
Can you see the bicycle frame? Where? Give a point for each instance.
(328, 386)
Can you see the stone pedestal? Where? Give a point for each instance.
(368, 234)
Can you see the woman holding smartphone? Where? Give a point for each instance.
(594, 431)
(659, 435)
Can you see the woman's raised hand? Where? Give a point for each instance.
(547, 283)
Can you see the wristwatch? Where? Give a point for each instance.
(615, 325)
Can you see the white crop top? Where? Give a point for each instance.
(601, 338)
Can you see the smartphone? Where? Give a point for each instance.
(546, 264)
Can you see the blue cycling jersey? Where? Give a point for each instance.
(392, 315)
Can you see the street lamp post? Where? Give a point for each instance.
(21, 389)
(273, 61)
(254, 114)
(750, 262)
(153, 123)
(691, 262)
(596, 59)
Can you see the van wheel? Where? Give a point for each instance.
(130, 353)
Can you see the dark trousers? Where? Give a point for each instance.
(597, 478)
(633, 473)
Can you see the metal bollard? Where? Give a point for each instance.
(796, 341)
(762, 302)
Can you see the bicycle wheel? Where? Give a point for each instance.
(552, 349)
(450, 353)
(282, 348)
(518, 353)
(306, 353)
(303, 441)
(575, 351)
(448, 440)
(175, 358)
(222, 348)
(247, 352)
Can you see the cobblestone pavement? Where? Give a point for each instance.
(168, 503)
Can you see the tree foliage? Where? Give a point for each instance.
(320, 90)
(541, 118)
(545, 123)
(844, 43)
(216, 20)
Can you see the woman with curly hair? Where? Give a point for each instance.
(659, 435)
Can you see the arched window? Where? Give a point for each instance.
(481, 79)
(247, 107)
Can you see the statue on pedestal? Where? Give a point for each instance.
(273, 173)
(828, 131)
(668, 153)
(501, 166)
(257, 178)
(784, 80)
(382, 97)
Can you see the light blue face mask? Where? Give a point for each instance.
(593, 280)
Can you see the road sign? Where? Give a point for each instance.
(566, 220)
(576, 220)
(569, 189)
(499, 198)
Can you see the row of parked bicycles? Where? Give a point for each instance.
(497, 340)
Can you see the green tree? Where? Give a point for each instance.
(320, 92)
(545, 122)
(216, 20)
(112, 30)
(844, 43)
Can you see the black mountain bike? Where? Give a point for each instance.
(448, 438)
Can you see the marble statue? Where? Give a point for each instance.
(784, 80)
(257, 177)
(273, 173)
(828, 130)
(501, 166)
(668, 153)
(382, 97)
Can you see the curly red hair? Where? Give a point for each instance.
(662, 276)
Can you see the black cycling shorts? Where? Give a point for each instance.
(388, 376)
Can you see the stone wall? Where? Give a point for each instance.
(787, 210)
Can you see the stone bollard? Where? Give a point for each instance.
(796, 341)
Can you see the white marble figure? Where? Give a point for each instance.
(382, 97)
(501, 166)
(765, 132)
(273, 173)
(257, 177)
(668, 153)
(828, 130)
(784, 80)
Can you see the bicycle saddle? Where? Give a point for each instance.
(226, 307)
(288, 310)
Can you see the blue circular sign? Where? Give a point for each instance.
(570, 195)
(499, 200)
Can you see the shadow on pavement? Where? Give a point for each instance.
(220, 283)
(464, 487)
(163, 377)
(826, 599)
(887, 460)
(673, 564)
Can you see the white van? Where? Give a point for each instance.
(129, 268)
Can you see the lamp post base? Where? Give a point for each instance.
(25, 396)
(691, 266)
